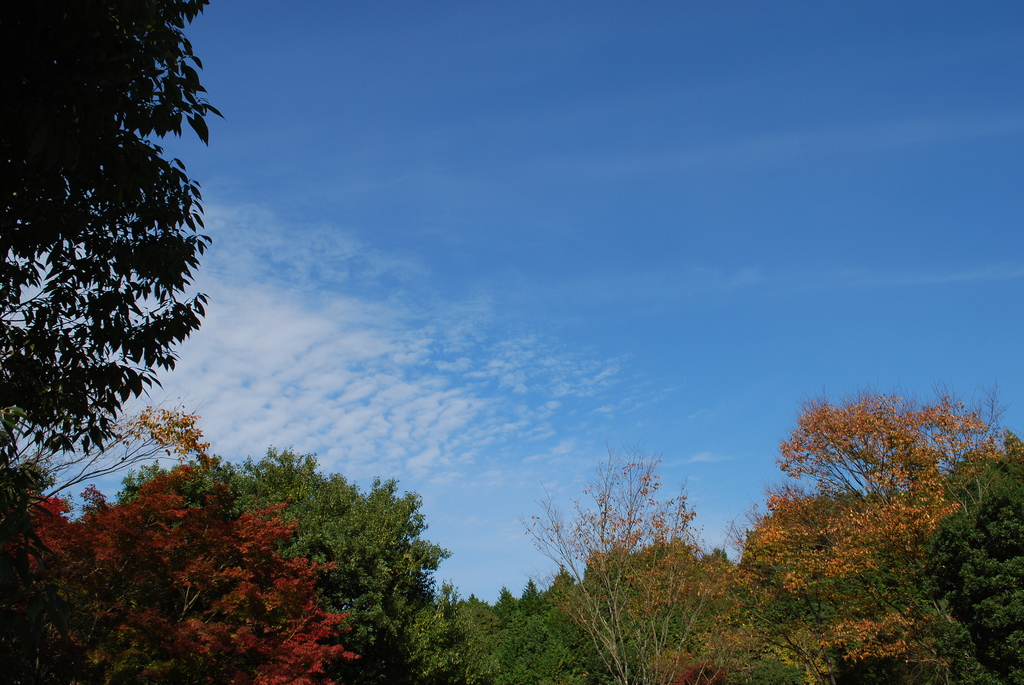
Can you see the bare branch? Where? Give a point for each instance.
(637, 582)
(148, 435)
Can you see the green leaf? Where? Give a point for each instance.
(198, 124)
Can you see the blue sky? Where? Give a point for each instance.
(465, 245)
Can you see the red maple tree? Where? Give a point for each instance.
(164, 591)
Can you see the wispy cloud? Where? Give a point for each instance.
(706, 458)
(267, 371)
(781, 146)
(863, 278)
(798, 283)
(251, 244)
(527, 363)
(292, 358)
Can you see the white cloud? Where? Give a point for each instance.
(289, 357)
(774, 147)
(266, 371)
(706, 457)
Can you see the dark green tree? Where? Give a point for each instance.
(977, 575)
(538, 644)
(382, 568)
(98, 230)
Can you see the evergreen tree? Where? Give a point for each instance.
(977, 573)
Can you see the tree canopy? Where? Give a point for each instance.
(99, 231)
(638, 585)
(835, 567)
(976, 570)
(891, 554)
(168, 592)
(375, 566)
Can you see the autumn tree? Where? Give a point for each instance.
(638, 588)
(168, 592)
(834, 566)
(794, 610)
(135, 439)
(375, 564)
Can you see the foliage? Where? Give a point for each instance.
(34, 476)
(535, 642)
(168, 592)
(375, 565)
(638, 587)
(768, 672)
(788, 611)
(517, 641)
(381, 569)
(443, 650)
(135, 439)
(481, 634)
(701, 673)
(26, 606)
(834, 568)
(99, 237)
(977, 572)
(99, 231)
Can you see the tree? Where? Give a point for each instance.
(37, 475)
(791, 606)
(98, 232)
(443, 650)
(135, 440)
(976, 570)
(536, 642)
(168, 592)
(835, 567)
(638, 588)
(381, 567)
(374, 564)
